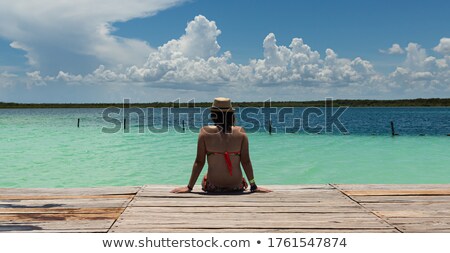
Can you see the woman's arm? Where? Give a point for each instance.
(198, 165)
(199, 160)
(247, 165)
(245, 159)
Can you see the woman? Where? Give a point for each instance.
(226, 147)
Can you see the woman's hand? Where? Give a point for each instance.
(262, 190)
(181, 190)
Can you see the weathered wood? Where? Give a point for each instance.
(399, 192)
(235, 204)
(414, 213)
(444, 221)
(248, 197)
(87, 230)
(197, 187)
(62, 210)
(71, 191)
(268, 225)
(55, 225)
(402, 199)
(249, 209)
(246, 201)
(46, 197)
(293, 208)
(252, 217)
(21, 217)
(346, 187)
(68, 203)
(251, 230)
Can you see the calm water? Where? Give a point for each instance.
(44, 148)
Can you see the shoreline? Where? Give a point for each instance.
(419, 102)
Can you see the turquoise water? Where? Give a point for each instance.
(44, 148)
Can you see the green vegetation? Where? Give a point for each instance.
(318, 103)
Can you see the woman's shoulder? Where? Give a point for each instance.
(209, 129)
(238, 130)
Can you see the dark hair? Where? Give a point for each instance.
(223, 119)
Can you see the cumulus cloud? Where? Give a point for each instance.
(298, 64)
(195, 61)
(71, 34)
(443, 47)
(394, 49)
(421, 71)
(35, 78)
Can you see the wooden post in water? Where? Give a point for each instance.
(183, 125)
(78, 124)
(270, 126)
(393, 129)
(124, 123)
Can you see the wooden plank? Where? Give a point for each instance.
(251, 230)
(55, 225)
(444, 221)
(402, 199)
(57, 216)
(150, 203)
(67, 203)
(71, 191)
(347, 187)
(51, 197)
(413, 214)
(318, 208)
(269, 225)
(250, 216)
(245, 201)
(399, 192)
(249, 209)
(62, 210)
(416, 206)
(421, 229)
(272, 187)
(88, 230)
(272, 195)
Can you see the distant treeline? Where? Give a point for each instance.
(317, 103)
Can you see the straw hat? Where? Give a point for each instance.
(222, 104)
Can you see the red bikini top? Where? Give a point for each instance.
(226, 155)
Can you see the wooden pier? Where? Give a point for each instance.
(290, 208)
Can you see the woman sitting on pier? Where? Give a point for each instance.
(226, 147)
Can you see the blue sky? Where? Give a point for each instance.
(240, 49)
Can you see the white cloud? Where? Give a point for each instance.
(73, 34)
(35, 78)
(7, 79)
(443, 47)
(30, 55)
(394, 49)
(7, 75)
(190, 59)
(194, 61)
(422, 72)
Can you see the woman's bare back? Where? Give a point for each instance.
(216, 144)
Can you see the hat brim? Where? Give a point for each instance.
(217, 109)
